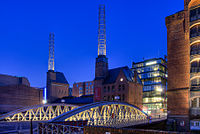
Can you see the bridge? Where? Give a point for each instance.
(37, 112)
(112, 114)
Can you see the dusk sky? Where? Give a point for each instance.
(134, 30)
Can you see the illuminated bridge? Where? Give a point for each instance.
(112, 114)
(55, 117)
(37, 112)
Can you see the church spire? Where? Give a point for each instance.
(102, 31)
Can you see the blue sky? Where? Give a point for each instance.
(135, 30)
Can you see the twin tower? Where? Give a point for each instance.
(57, 85)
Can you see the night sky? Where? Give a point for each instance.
(134, 30)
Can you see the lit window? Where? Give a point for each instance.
(151, 63)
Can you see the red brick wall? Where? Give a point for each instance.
(17, 96)
(84, 86)
(135, 94)
(178, 63)
(59, 90)
(132, 92)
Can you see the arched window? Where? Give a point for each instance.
(194, 103)
(195, 31)
(195, 84)
(195, 49)
(194, 14)
(195, 66)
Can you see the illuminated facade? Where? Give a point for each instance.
(16, 92)
(57, 85)
(183, 44)
(118, 84)
(153, 74)
(83, 88)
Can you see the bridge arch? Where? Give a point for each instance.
(112, 114)
(37, 112)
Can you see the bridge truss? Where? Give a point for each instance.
(37, 113)
(112, 114)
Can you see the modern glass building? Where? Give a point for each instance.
(153, 74)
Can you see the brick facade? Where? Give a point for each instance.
(178, 65)
(15, 92)
(83, 88)
(57, 86)
(179, 40)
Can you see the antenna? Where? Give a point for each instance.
(51, 52)
(102, 31)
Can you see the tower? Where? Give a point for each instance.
(183, 44)
(57, 85)
(101, 66)
(102, 31)
(51, 52)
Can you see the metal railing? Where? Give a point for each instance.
(54, 128)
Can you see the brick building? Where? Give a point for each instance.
(16, 92)
(122, 85)
(183, 35)
(118, 84)
(57, 86)
(83, 88)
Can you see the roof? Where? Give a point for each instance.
(86, 99)
(128, 73)
(60, 78)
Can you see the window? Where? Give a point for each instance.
(195, 31)
(104, 89)
(108, 98)
(119, 87)
(108, 88)
(195, 49)
(123, 97)
(194, 14)
(194, 102)
(123, 87)
(113, 88)
(104, 98)
(113, 98)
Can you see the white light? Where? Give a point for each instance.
(159, 89)
(151, 63)
(117, 97)
(62, 100)
(121, 79)
(44, 101)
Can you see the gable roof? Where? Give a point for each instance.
(60, 78)
(114, 73)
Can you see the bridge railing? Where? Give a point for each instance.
(53, 128)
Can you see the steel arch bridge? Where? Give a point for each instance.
(112, 114)
(37, 112)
